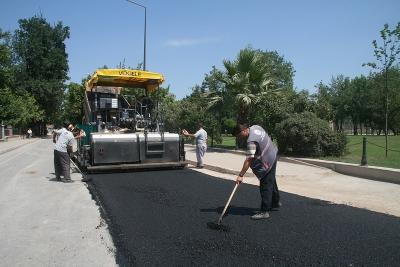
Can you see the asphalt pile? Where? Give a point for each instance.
(160, 218)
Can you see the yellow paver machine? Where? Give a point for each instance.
(123, 124)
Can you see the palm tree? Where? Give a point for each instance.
(246, 80)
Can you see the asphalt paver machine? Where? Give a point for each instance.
(123, 124)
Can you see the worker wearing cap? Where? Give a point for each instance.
(261, 157)
(201, 143)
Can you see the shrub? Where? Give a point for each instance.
(305, 134)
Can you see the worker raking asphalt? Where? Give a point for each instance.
(160, 218)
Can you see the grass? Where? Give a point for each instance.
(375, 150)
(228, 142)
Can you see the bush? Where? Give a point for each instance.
(305, 134)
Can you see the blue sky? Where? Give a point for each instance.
(186, 38)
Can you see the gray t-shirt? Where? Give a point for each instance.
(64, 138)
(201, 137)
(260, 145)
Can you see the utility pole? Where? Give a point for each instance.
(145, 29)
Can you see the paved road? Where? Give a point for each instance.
(159, 218)
(44, 222)
(315, 182)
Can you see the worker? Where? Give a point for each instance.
(63, 140)
(78, 135)
(261, 157)
(103, 128)
(201, 143)
(76, 132)
(29, 133)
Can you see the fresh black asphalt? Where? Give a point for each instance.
(160, 217)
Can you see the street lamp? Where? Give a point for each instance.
(144, 39)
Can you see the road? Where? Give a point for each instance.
(44, 222)
(160, 217)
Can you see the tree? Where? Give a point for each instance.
(41, 63)
(219, 101)
(386, 55)
(339, 100)
(301, 101)
(357, 98)
(73, 107)
(246, 78)
(272, 109)
(194, 109)
(377, 99)
(21, 109)
(323, 106)
(5, 59)
(394, 96)
(18, 110)
(168, 108)
(238, 91)
(253, 74)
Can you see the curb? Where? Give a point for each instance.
(380, 174)
(222, 150)
(219, 169)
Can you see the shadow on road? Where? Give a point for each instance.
(54, 179)
(233, 210)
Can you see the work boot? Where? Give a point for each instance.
(261, 215)
(277, 205)
(86, 179)
(69, 180)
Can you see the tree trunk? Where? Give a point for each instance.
(355, 130)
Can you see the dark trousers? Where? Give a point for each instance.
(269, 190)
(62, 164)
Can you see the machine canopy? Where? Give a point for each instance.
(125, 78)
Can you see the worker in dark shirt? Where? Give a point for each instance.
(261, 157)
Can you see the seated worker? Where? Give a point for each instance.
(103, 128)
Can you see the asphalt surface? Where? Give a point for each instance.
(160, 218)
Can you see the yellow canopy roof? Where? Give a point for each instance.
(125, 78)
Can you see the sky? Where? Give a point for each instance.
(185, 39)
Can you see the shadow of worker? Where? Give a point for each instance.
(233, 210)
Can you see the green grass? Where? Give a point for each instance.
(228, 142)
(375, 150)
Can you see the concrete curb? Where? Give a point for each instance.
(221, 150)
(218, 169)
(367, 172)
(372, 173)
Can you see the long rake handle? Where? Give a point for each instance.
(227, 203)
(73, 163)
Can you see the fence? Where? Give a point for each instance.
(364, 149)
